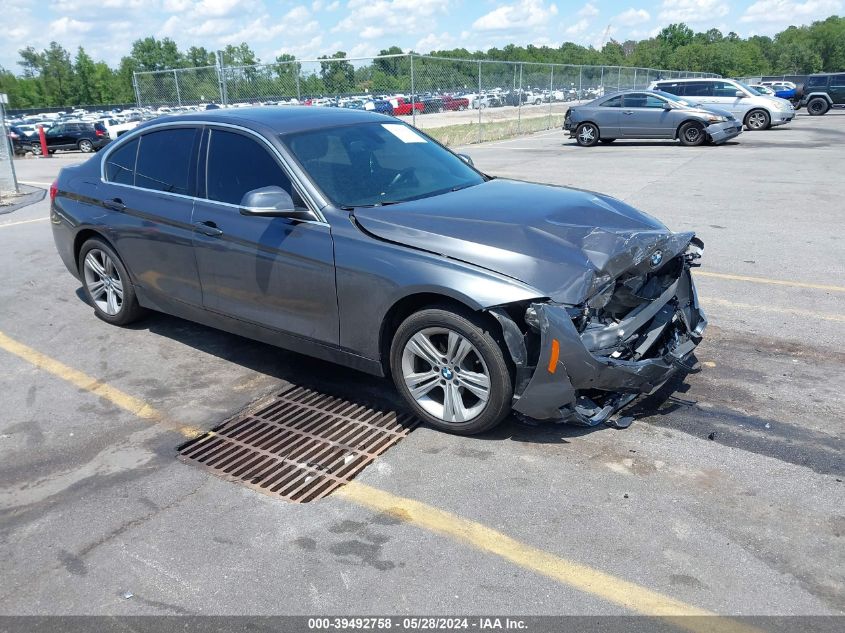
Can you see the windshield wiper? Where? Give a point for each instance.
(386, 203)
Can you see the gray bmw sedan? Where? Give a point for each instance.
(350, 236)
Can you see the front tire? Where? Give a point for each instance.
(817, 107)
(86, 146)
(451, 371)
(587, 134)
(106, 284)
(691, 134)
(757, 120)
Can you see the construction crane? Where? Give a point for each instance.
(606, 36)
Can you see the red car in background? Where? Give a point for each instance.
(455, 103)
(402, 106)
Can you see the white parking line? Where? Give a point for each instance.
(2, 226)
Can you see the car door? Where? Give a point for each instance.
(606, 116)
(148, 189)
(837, 88)
(274, 271)
(725, 97)
(56, 137)
(643, 116)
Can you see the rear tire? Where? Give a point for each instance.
(106, 284)
(36, 149)
(691, 134)
(757, 120)
(587, 134)
(85, 146)
(457, 369)
(817, 107)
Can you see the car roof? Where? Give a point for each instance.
(688, 79)
(281, 119)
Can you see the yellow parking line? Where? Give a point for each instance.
(23, 222)
(95, 386)
(579, 576)
(810, 314)
(766, 280)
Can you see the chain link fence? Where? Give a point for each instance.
(458, 101)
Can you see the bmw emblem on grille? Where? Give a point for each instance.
(656, 258)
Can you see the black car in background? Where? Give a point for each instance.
(86, 137)
(822, 92)
(19, 139)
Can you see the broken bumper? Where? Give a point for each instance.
(573, 367)
(721, 132)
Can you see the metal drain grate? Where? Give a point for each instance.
(301, 446)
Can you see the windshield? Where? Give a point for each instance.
(749, 89)
(372, 164)
(675, 98)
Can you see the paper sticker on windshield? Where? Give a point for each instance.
(403, 133)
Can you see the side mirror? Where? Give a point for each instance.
(270, 201)
(740, 94)
(667, 105)
(467, 159)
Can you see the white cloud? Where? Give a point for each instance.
(579, 28)
(692, 11)
(589, 10)
(68, 26)
(632, 17)
(371, 19)
(790, 12)
(517, 16)
(435, 42)
(221, 8)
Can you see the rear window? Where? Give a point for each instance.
(817, 82)
(120, 165)
(164, 160)
(615, 102)
(837, 81)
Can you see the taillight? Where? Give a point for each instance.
(98, 132)
(54, 189)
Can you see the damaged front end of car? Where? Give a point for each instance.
(583, 363)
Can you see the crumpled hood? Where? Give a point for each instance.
(565, 243)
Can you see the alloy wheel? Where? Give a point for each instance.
(103, 282)
(757, 120)
(587, 134)
(445, 374)
(692, 134)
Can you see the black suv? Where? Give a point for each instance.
(86, 137)
(822, 92)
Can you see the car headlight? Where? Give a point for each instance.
(715, 118)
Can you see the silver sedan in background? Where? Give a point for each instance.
(648, 114)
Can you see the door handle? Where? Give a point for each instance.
(208, 228)
(628, 112)
(115, 204)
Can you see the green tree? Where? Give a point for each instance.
(338, 77)
(84, 68)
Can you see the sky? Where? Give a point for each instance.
(106, 28)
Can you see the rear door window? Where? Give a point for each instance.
(164, 160)
(837, 81)
(699, 89)
(817, 82)
(671, 88)
(120, 165)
